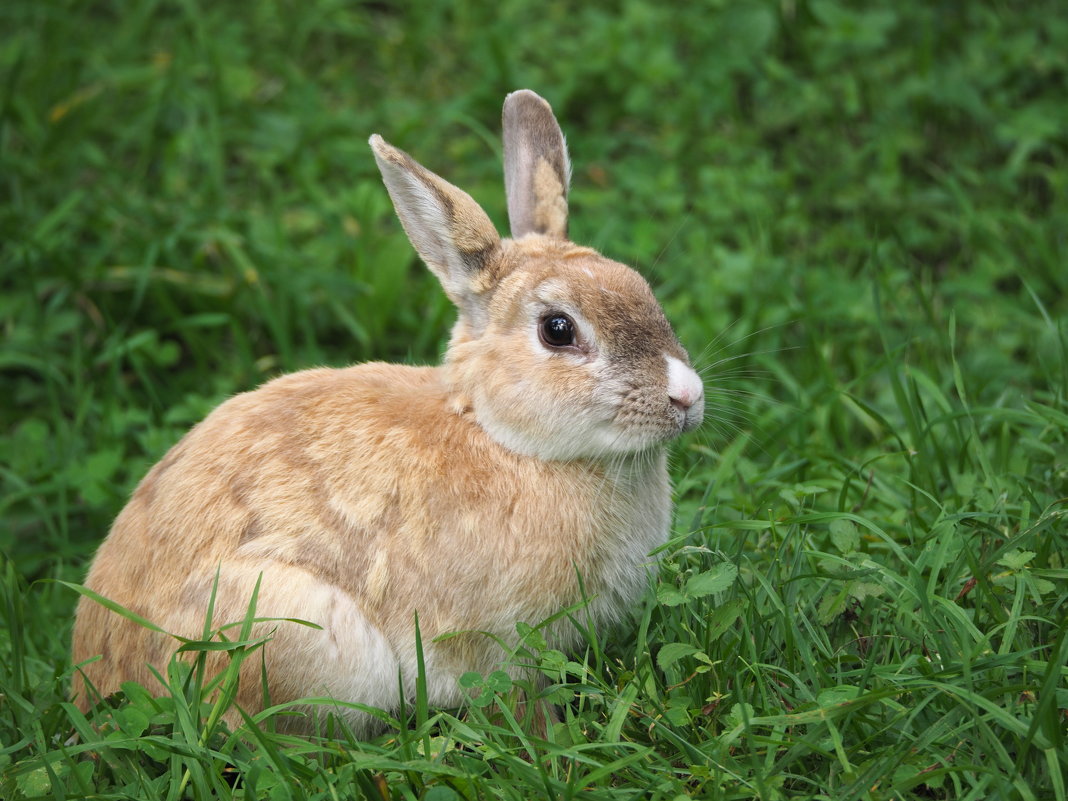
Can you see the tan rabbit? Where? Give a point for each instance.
(525, 473)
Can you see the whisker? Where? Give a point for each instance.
(705, 352)
(737, 372)
(742, 394)
(768, 352)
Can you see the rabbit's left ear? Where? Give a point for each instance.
(448, 229)
(536, 167)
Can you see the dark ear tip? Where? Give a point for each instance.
(387, 155)
(519, 94)
(381, 148)
(517, 100)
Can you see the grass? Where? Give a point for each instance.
(856, 218)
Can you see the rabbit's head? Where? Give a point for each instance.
(558, 352)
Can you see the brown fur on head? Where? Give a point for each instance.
(499, 487)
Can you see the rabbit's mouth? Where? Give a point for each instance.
(653, 415)
(691, 417)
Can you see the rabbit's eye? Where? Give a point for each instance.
(557, 331)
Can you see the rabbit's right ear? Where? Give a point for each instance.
(536, 167)
(448, 229)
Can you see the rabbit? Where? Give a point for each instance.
(523, 475)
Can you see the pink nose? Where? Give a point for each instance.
(682, 398)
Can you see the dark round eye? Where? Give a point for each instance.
(557, 331)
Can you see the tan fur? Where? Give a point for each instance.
(487, 491)
(550, 208)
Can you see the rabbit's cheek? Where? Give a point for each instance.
(544, 404)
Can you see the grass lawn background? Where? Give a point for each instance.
(855, 215)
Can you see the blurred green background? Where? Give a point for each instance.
(855, 214)
(188, 205)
